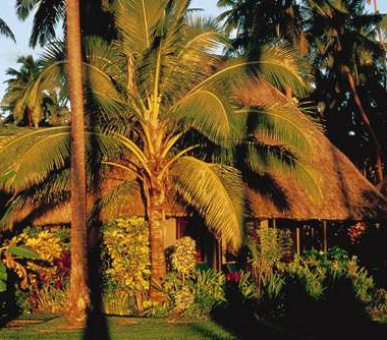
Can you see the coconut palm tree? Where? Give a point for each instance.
(260, 22)
(170, 118)
(17, 96)
(79, 291)
(5, 30)
(345, 55)
(48, 14)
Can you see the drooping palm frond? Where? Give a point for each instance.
(279, 125)
(280, 66)
(53, 191)
(274, 160)
(209, 113)
(5, 30)
(117, 197)
(43, 152)
(216, 192)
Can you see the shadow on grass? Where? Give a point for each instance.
(97, 324)
(338, 316)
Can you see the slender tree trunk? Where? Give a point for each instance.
(79, 291)
(29, 118)
(376, 9)
(156, 218)
(367, 123)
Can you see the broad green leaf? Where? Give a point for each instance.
(24, 252)
(3, 277)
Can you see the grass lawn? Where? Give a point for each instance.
(45, 327)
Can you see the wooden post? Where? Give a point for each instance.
(312, 236)
(298, 237)
(325, 241)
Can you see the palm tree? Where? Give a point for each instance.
(49, 14)
(170, 118)
(261, 22)
(345, 55)
(5, 30)
(55, 108)
(17, 99)
(376, 11)
(79, 291)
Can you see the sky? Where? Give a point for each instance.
(9, 51)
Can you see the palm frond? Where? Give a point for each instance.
(263, 159)
(5, 30)
(215, 192)
(49, 14)
(136, 20)
(207, 112)
(281, 68)
(279, 125)
(115, 198)
(41, 153)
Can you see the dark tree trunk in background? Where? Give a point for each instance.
(367, 123)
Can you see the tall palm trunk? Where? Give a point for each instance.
(79, 292)
(376, 10)
(156, 219)
(367, 123)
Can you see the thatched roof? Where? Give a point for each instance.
(346, 193)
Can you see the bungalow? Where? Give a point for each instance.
(276, 200)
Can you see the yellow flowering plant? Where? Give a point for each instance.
(128, 261)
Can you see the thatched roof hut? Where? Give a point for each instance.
(346, 193)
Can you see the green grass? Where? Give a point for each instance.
(119, 328)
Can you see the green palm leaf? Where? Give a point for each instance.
(5, 30)
(216, 192)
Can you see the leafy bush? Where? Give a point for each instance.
(377, 308)
(268, 247)
(50, 300)
(19, 258)
(183, 256)
(190, 291)
(208, 288)
(115, 303)
(127, 257)
(247, 286)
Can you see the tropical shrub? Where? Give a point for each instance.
(208, 287)
(191, 292)
(18, 258)
(49, 300)
(183, 256)
(247, 286)
(47, 279)
(377, 308)
(115, 303)
(127, 257)
(268, 247)
(311, 276)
